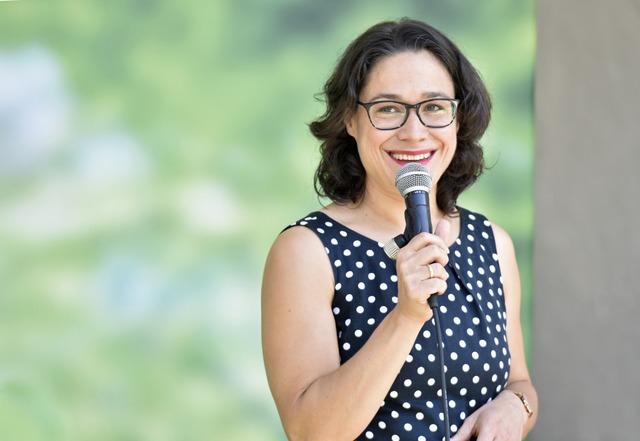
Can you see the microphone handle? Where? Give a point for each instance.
(418, 220)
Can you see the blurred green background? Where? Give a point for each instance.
(150, 152)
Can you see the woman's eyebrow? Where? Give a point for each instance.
(393, 96)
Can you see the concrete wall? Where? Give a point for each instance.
(586, 341)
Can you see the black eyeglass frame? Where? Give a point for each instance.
(454, 101)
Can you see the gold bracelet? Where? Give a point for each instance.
(525, 402)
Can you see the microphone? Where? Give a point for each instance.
(413, 181)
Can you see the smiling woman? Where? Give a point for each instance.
(346, 328)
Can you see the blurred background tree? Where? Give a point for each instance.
(150, 152)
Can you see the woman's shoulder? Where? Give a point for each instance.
(298, 253)
(300, 235)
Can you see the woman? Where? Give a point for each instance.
(348, 336)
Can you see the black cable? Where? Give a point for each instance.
(443, 378)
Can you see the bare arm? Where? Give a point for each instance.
(318, 398)
(519, 378)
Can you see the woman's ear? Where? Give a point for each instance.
(348, 124)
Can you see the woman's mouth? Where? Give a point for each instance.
(415, 157)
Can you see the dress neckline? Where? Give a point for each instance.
(456, 242)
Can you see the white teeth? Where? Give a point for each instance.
(403, 157)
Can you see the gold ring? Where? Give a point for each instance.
(430, 271)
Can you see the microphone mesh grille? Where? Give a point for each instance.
(412, 177)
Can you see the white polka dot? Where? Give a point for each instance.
(433, 428)
(408, 427)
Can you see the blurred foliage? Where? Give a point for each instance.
(150, 151)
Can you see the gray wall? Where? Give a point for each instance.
(586, 341)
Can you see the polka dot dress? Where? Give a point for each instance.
(473, 322)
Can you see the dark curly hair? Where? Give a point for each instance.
(340, 175)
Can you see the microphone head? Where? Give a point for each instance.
(413, 177)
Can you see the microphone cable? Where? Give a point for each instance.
(435, 307)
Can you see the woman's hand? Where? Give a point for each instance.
(421, 272)
(502, 419)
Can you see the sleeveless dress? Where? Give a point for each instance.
(472, 319)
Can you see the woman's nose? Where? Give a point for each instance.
(413, 127)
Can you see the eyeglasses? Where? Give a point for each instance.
(389, 115)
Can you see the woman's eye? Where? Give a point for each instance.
(388, 109)
(433, 108)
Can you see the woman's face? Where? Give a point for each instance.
(409, 77)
